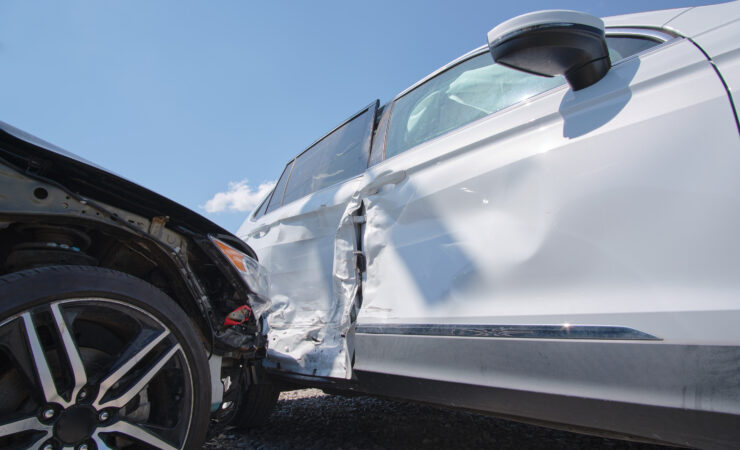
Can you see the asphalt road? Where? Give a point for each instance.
(310, 419)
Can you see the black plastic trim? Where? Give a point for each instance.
(578, 52)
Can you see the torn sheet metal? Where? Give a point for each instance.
(314, 282)
(316, 344)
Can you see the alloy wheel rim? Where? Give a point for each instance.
(136, 388)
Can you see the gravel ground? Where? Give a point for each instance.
(310, 419)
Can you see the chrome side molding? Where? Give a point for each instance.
(561, 331)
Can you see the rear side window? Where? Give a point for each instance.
(261, 208)
(277, 194)
(340, 155)
(474, 89)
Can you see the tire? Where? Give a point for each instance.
(246, 404)
(94, 358)
(255, 406)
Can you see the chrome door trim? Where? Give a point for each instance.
(657, 35)
(560, 331)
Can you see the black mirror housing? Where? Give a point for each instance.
(553, 42)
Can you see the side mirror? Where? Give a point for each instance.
(553, 42)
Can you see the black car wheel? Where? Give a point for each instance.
(94, 358)
(247, 405)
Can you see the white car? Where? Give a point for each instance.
(559, 250)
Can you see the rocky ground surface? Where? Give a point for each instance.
(310, 419)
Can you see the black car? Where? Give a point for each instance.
(126, 318)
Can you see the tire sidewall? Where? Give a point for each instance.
(27, 289)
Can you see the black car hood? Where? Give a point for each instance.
(31, 154)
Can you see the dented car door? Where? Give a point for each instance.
(540, 222)
(296, 237)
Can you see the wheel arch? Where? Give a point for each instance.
(109, 247)
(130, 229)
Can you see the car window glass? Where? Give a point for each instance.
(277, 194)
(621, 47)
(340, 155)
(474, 89)
(261, 208)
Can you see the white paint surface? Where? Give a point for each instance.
(615, 205)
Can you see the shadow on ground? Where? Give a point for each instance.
(310, 419)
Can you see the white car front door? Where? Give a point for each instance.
(518, 237)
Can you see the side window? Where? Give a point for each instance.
(466, 92)
(474, 89)
(340, 155)
(621, 47)
(277, 194)
(261, 208)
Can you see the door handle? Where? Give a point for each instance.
(389, 178)
(260, 232)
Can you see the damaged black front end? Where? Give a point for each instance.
(57, 209)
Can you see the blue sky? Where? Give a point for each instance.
(193, 99)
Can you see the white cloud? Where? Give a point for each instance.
(239, 197)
